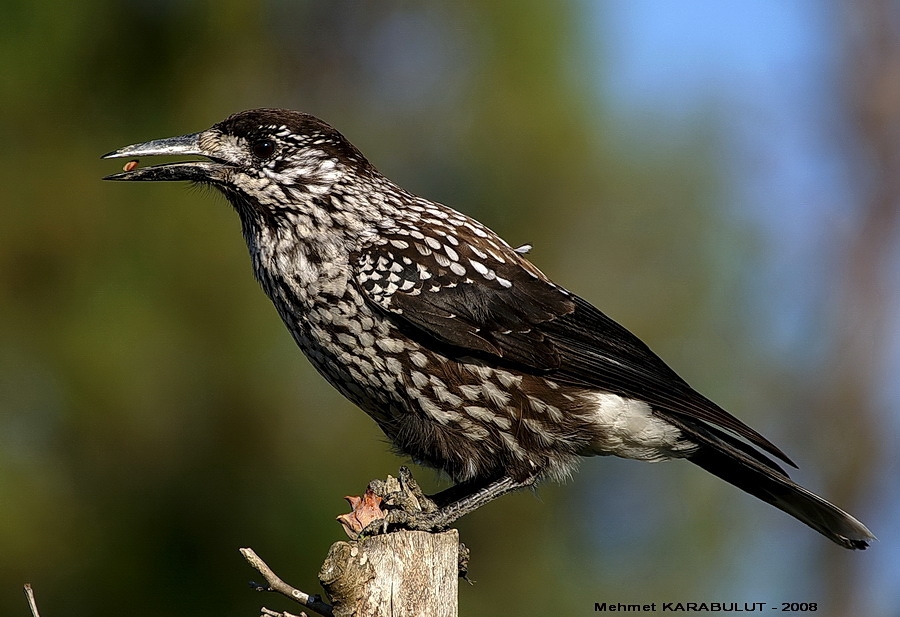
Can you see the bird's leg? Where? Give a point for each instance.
(461, 490)
(448, 514)
(443, 509)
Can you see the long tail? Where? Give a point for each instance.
(744, 467)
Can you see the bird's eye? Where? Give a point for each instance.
(262, 148)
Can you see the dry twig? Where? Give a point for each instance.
(274, 583)
(32, 603)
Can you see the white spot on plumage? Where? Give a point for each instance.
(476, 230)
(473, 393)
(419, 379)
(538, 430)
(445, 396)
(432, 410)
(495, 395)
(480, 268)
(479, 413)
(479, 370)
(478, 252)
(419, 359)
(366, 340)
(502, 422)
(390, 345)
(508, 379)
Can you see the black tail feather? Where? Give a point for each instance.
(726, 457)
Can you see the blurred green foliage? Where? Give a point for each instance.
(154, 414)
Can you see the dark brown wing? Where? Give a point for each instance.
(490, 302)
(475, 311)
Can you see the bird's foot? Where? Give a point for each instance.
(394, 503)
(399, 503)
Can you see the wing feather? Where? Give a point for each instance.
(519, 318)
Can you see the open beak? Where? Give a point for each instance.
(196, 171)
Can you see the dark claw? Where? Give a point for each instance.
(258, 586)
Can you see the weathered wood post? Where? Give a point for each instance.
(399, 574)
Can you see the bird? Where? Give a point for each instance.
(465, 354)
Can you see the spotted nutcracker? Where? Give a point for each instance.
(466, 355)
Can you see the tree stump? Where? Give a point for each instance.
(399, 574)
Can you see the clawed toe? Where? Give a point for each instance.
(394, 503)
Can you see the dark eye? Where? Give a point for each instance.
(262, 148)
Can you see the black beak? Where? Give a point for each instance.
(195, 171)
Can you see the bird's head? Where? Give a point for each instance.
(265, 156)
